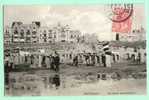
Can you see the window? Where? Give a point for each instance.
(13, 80)
(6, 31)
(45, 35)
(15, 31)
(71, 36)
(63, 35)
(22, 34)
(50, 35)
(34, 41)
(50, 31)
(15, 28)
(63, 30)
(54, 36)
(70, 56)
(45, 40)
(28, 39)
(44, 31)
(62, 40)
(28, 32)
(34, 32)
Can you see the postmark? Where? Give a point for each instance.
(120, 12)
(121, 17)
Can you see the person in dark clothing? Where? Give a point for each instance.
(98, 59)
(32, 59)
(93, 59)
(139, 58)
(43, 63)
(113, 57)
(75, 61)
(87, 59)
(133, 57)
(103, 60)
(117, 57)
(7, 70)
(11, 66)
(51, 60)
(26, 59)
(56, 61)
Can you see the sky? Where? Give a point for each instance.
(89, 19)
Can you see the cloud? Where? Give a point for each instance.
(87, 19)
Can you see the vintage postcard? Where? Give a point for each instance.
(74, 50)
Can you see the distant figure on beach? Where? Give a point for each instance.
(56, 62)
(75, 61)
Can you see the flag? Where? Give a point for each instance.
(106, 49)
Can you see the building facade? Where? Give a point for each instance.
(135, 35)
(34, 33)
(7, 35)
(22, 33)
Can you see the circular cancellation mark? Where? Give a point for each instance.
(120, 12)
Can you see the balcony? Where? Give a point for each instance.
(16, 35)
(34, 36)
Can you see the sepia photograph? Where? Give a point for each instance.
(74, 50)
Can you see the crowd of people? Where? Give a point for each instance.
(33, 60)
(94, 59)
(53, 61)
(138, 56)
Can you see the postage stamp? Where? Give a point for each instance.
(121, 17)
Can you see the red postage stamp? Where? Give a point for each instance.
(121, 19)
(122, 27)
